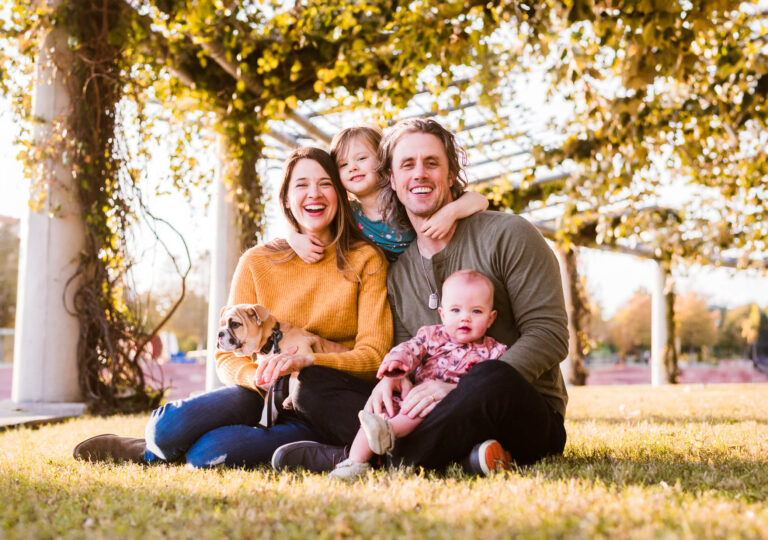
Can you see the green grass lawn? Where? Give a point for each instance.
(641, 462)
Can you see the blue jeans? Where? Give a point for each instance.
(217, 428)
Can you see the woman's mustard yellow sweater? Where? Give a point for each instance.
(320, 299)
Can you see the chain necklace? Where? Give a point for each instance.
(432, 293)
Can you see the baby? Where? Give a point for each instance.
(444, 352)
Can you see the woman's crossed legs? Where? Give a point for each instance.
(217, 428)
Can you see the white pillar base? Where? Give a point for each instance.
(45, 345)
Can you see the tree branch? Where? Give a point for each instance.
(218, 54)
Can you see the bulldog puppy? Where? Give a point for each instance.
(245, 329)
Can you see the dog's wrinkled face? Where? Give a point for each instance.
(241, 328)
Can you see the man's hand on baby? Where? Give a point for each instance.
(381, 396)
(423, 398)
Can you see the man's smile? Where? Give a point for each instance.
(421, 190)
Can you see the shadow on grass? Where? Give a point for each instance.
(132, 501)
(289, 507)
(662, 419)
(730, 477)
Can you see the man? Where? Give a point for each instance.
(502, 410)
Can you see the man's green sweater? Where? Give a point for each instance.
(529, 295)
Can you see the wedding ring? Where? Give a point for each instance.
(433, 397)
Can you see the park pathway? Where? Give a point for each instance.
(185, 379)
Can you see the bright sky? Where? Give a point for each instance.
(611, 278)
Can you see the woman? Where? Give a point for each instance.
(342, 298)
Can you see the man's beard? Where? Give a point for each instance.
(425, 213)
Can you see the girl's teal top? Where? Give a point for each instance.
(387, 238)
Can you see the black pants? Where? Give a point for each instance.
(492, 401)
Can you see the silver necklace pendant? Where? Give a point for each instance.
(433, 301)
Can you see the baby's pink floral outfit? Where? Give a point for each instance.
(433, 355)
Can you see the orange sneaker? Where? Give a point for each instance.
(486, 457)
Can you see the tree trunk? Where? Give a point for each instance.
(669, 353)
(578, 317)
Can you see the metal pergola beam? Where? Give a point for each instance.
(218, 54)
(536, 181)
(283, 138)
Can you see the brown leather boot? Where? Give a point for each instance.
(111, 448)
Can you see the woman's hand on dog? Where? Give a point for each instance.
(273, 366)
(423, 398)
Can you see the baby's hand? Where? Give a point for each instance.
(392, 369)
(309, 248)
(439, 224)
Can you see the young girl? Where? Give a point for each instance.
(445, 352)
(355, 152)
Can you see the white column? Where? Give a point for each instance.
(45, 346)
(566, 366)
(224, 254)
(658, 326)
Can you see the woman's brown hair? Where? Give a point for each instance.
(346, 235)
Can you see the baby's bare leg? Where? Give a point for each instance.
(403, 424)
(360, 451)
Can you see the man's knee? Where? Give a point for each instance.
(491, 369)
(494, 389)
(492, 377)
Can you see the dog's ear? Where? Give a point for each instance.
(222, 322)
(258, 313)
(250, 311)
(263, 312)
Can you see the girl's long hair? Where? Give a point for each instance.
(343, 139)
(346, 235)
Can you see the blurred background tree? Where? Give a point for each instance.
(630, 326)
(730, 338)
(9, 266)
(696, 323)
